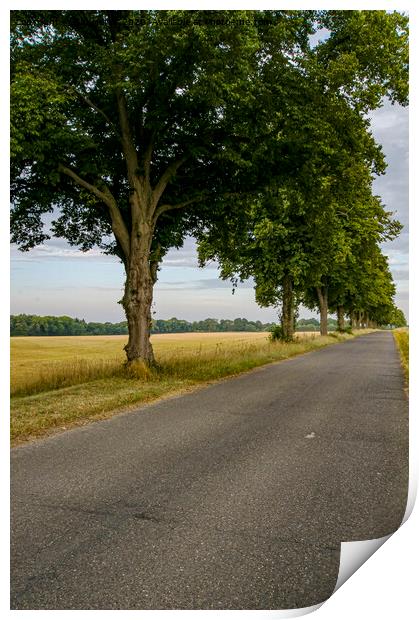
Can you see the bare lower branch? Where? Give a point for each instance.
(181, 205)
(165, 178)
(105, 195)
(94, 107)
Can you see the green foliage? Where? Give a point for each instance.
(366, 55)
(276, 333)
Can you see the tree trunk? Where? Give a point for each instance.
(138, 298)
(287, 318)
(322, 296)
(341, 319)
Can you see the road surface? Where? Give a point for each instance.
(235, 496)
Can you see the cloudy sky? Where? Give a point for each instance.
(391, 129)
(57, 279)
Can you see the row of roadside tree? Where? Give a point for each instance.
(249, 130)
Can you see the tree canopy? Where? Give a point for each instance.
(107, 106)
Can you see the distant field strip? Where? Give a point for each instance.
(62, 381)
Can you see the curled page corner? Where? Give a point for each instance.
(354, 554)
(411, 498)
(295, 613)
(265, 614)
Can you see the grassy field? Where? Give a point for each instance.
(401, 337)
(58, 382)
(36, 363)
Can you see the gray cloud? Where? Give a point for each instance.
(186, 256)
(400, 274)
(390, 127)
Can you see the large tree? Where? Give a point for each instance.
(133, 125)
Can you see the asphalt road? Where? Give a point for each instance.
(236, 496)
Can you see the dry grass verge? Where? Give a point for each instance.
(401, 336)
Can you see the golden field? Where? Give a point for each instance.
(62, 381)
(34, 359)
(31, 354)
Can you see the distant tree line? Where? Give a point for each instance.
(34, 325)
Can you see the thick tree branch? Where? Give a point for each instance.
(181, 205)
(92, 188)
(138, 192)
(155, 259)
(165, 178)
(118, 224)
(128, 146)
(147, 156)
